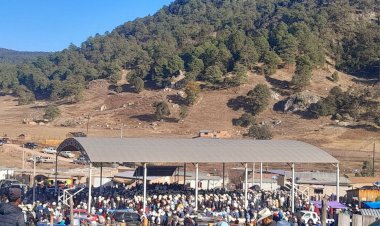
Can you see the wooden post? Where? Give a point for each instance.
(357, 220)
(324, 211)
(51, 219)
(71, 210)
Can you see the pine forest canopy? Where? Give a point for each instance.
(214, 41)
(8, 56)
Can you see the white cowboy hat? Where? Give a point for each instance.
(264, 213)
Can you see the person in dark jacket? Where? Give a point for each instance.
(10, 213)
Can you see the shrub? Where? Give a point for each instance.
(52, 112)
(119, 89)
(335, 76)
(162, 109)
(259, 98)
(192, 90)
(137, 83)
(245, 120)
(25, 96)
(260, 132)
(377, 120)
(183, 112)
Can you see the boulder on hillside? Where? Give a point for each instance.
(299, 102)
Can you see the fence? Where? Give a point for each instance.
(357, 220)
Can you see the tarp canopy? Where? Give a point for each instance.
(372, 205)
(200, 150)
(332, 204)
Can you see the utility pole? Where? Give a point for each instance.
(121, 131)
(373, 158)
(34, 178)
(23, 157)
(88, 120)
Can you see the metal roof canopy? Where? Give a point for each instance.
(200, 150)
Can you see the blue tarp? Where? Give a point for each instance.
(372, 205)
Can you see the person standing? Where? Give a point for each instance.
(266, 218)
(10, 213)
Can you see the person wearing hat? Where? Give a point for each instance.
(10, 213)
(266, 218)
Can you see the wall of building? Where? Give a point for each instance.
(206, 184)
(5, 174)
(327, 190)
(362, 195)
(368, 195)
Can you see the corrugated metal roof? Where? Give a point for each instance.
(370, 212)
(158, 150)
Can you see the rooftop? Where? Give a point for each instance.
(171, 150)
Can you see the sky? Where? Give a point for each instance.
(51, 25)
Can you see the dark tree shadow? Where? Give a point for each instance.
(128, 88)
(279, 106)
(38, 107)
(309, 115)
(368, 82)
(171, 120)
(177, 99)
(145, 117)
(367, 127)
(152, 118)
(282, 87)
(277, 83)
(238, 103)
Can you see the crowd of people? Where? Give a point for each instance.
(166, 205)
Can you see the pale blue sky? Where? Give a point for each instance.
(51, 25)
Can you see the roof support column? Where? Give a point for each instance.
(144, 198)
(293, 187)
(224, 169)
(337, 182)
(89, 187)
(261, 175)
(56, 174)
(184, 176)
(196, 186)
(253, 173)
(101, 178)
(246, 186)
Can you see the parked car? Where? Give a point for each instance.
(307, 215)
(1, 142)
(81, 160)
(49, 150)
(83, 214)
(31, 159)
(31, 145)
(66, 154)
(127, 216)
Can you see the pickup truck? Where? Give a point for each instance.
(81, 160)
(49, 150)
(66, 154)
(42, 159)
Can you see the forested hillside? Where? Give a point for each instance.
(214, 41)
(8, 56)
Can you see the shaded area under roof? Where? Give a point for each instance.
(156, 171)
(171, 150)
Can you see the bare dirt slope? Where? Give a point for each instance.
(106, 113)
